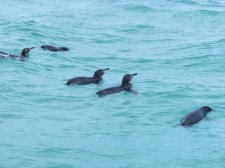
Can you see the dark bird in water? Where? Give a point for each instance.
(88, 80)
(25, 53)
(125, 86)
(195, 116)
(52, 48)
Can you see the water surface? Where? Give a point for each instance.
(177, 47)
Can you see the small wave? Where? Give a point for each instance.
(138, 8)
(10, 116)
(209, 12)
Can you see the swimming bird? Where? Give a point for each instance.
(55, 49)
(97, 77)
(25, 53)
(125, 86)
(195, 116)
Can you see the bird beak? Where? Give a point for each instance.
(134, 74)
(106, 69)
(32, 48)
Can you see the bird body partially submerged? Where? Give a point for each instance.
(195, 116)
(125, 86)
(97, 77)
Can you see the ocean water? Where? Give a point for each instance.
(177, 47)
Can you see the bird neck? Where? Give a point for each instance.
(97, 78)
(126, 86)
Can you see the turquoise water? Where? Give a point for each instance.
(177, 47)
